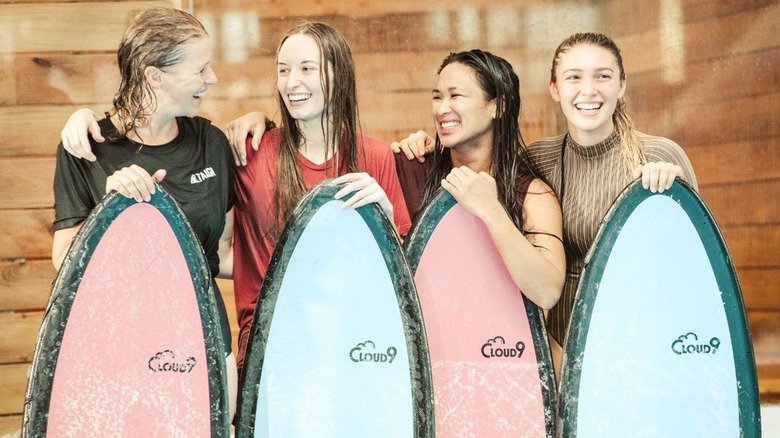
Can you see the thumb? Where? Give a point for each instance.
(159, 175)
(94, 131)
(256, 142)
(638, 171)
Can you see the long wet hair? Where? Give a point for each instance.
(630, 146)
(339, 119)
(498, 82)
(157, 38)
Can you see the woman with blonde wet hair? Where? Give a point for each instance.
(155, 136)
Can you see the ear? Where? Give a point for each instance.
(622, 89)
(554, 91)
(154, 77)
(494, 109)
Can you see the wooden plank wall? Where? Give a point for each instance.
(705, 73)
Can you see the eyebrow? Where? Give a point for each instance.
(580, 70)
(450, 89)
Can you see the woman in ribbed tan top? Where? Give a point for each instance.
(601, 153)
(595, 159)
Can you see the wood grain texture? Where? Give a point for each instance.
(13, 385)
(34, 130)
(17, 339)
(28, 233)
(11, 425)
(27, 183)
(25, 284)
(749, 245)
(29, 27)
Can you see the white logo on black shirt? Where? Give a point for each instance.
(202, 176)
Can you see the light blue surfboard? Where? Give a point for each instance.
(659, 344)
(337, 347)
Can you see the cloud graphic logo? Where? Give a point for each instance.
(165, 361)
(366, 352)
(688, 344)
(496, 348)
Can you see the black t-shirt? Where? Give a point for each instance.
(199, 176)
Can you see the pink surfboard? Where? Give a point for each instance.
(130, 343)
(490, 358)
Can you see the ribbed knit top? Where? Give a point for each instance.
(587, 180)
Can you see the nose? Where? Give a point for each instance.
(588, 86)
(211, 77)
(441, 107)
(293, 78)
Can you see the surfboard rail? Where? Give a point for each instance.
(64, 292)
(575, 351)
(384, 233)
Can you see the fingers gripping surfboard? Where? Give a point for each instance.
(659, 343)
(491, 365)
(337, 347)
(130, 340)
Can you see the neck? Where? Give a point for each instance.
(157, 131)
(590, 138)
(476, 156)
(315, 145)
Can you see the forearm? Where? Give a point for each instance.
(537, 272)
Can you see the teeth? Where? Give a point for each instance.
(450, 124)
(588, 106)
(299, 97)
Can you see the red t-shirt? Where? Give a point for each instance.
(253, 242)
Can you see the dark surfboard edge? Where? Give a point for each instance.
(66, 284)
(414, 245)
(383, 231)
(725, 276)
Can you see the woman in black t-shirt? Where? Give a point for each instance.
(155, 136)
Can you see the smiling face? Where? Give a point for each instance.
(299, 80)
(588, 85)
(184, 83)
(462, 114)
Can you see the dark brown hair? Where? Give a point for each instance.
(498, 82)
(339, 119)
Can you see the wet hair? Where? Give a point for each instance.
(156, 37)
(509, 159)
(630, 146)
(339, 118)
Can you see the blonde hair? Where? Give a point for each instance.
(156, 37)
(630, 147)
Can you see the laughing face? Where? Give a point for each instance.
(463, 116)
(588, 85)
(299, 80)
(186, 82)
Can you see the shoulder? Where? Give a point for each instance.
(547, 144)
(202, 127)
(272, 137)
(267, 152)
(373, 146)
(375, 151)
(659, 148)
(545, 153)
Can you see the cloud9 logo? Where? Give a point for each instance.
(496, 348)
(366, 352)
(688, 344)
(165, 361)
